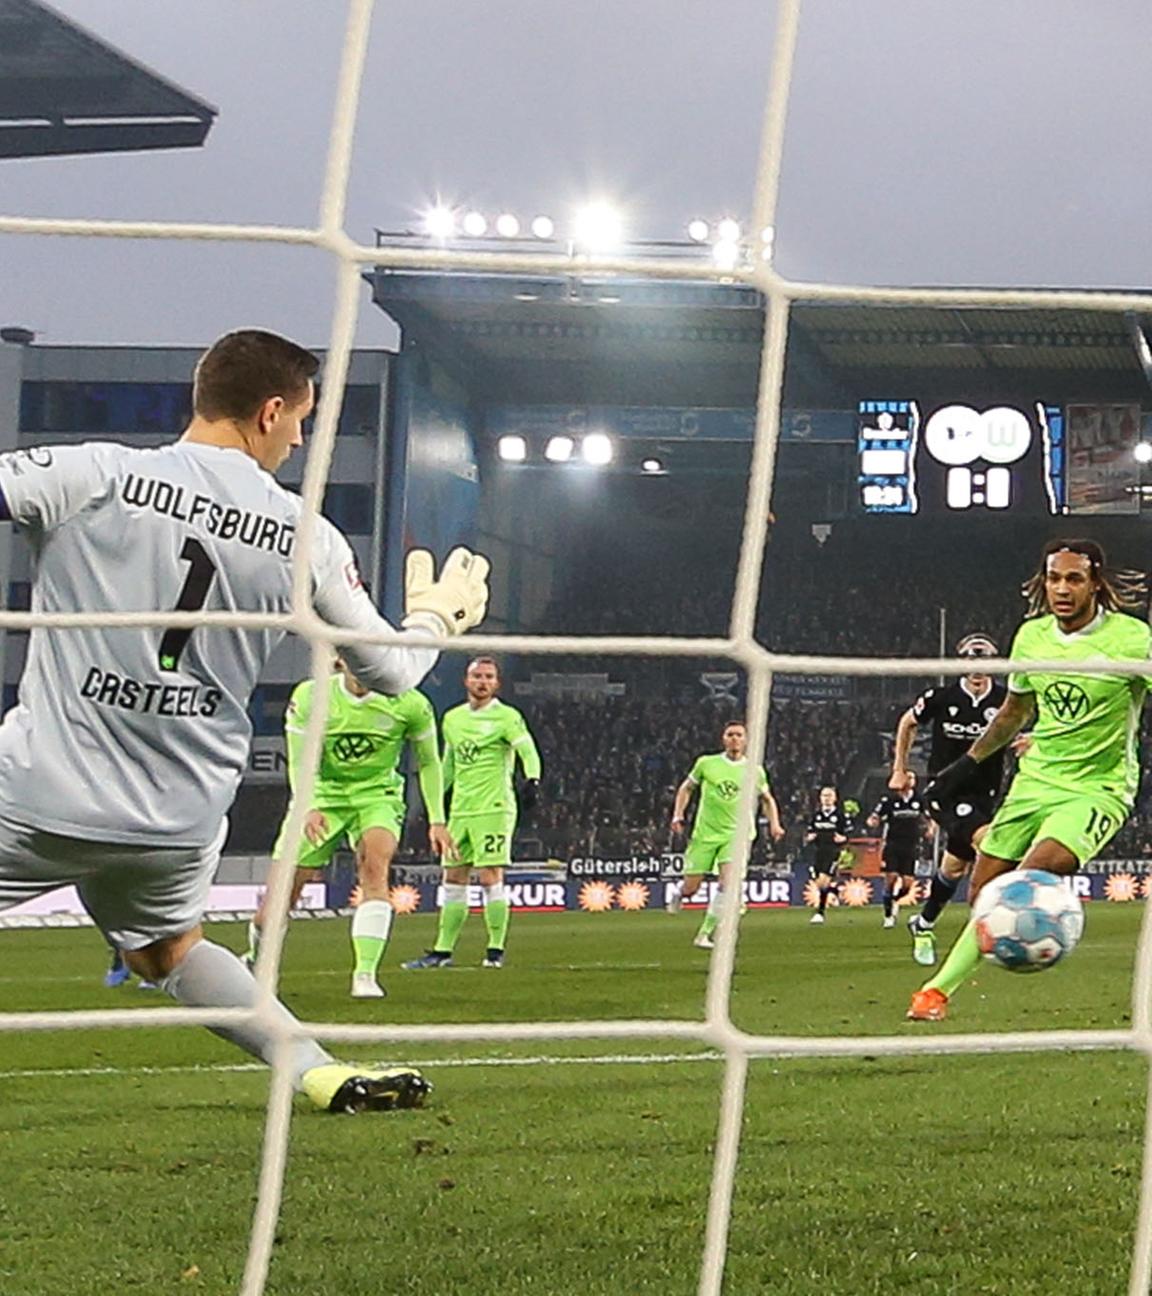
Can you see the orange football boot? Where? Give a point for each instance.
(928, 1005)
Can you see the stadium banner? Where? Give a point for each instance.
(1114, 881)
(267, 760)
(813, 688)
(1101, 468)
(669, 423)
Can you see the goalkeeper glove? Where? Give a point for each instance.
(948, 783)
(529, 794)
(458, 599)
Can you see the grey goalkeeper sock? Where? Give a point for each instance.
(213, 977)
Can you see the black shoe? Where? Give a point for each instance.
(393, 1089)
(493, 959)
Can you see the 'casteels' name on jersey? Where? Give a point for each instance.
(225, 522)
(108, 689)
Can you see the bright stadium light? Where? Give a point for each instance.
(698, 231)
(726, 255)
(1142, 452)
(598, 228)
(507, 225)
(475, 224)
(728, 231)
(543, 227)
(512, 449)
(652, 466)
(559, 449)
(440, 222)
(597, 449)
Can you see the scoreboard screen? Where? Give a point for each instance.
(957, 458)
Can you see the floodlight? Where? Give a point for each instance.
(507, 225)
(597, 449)
(512, 449)
(543, 227)
(597, 227)
(652, 466)
(726, 255)
(475, 224)
(728, 231)
(1142, 452)
(559, 449)
(440, 222)
(698, 231)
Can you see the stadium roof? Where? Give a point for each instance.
(63, 90)
(557, 340)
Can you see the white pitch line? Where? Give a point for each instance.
(612, 1059)
(295, 977)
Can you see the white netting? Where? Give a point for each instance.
(716, 1029)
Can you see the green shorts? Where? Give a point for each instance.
(484, 841)
(351, 819)
(1084, 823)
(706, 856)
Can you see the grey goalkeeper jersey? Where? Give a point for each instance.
(141, 734)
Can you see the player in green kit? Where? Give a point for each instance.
(359, 795)
(710, 848)
(483, 739)
(1077, 783)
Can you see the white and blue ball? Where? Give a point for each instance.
(1027, 920)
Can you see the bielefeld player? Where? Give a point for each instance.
(958, 714)
(121, 758)
(903, 815)
(1077, 783)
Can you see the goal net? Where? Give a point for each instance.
(716, 1028)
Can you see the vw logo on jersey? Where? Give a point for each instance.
(354, 747)
(962, 809)
(466, 751)
(728, 790)
(1067, 700)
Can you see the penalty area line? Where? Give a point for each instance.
(225, 1068)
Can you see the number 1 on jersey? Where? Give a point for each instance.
(201, 570)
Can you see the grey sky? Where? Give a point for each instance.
(993, 142)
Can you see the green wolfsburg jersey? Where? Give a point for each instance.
(1086, 727)
(719, 780)
(480, 750)
(363, 738)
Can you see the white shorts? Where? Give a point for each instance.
(135, 894)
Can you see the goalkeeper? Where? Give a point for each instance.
(359, 795)
(120, 761)
(1077, 783)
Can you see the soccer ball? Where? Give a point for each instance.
(1027, 920)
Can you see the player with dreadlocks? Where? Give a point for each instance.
(1077, 783)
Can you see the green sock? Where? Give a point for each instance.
(496, 918)
(371, 925)
(957, 967)
(453, 912)
(712, 914)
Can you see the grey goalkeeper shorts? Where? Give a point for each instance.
(135, 894)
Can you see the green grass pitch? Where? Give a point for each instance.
(128, 1159)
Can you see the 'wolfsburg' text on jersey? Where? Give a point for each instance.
(141, 734)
